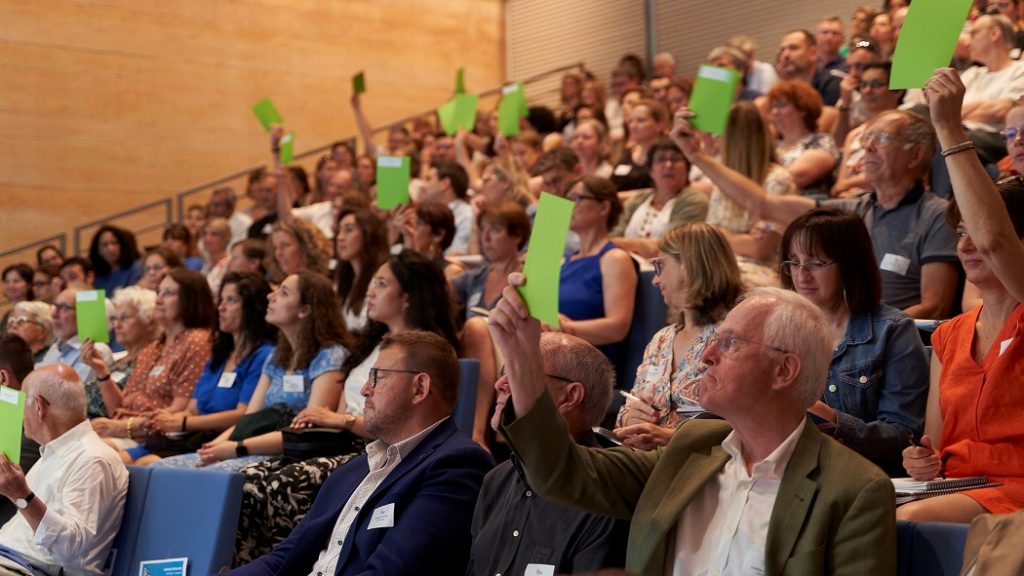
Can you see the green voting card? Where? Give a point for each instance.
(91, 311)
(544, 257)
(511, 109)
(926, 41)
(460, 81)
(392, 181)
(12, 411)
(267, 113)
(359, 83)
(459, 112)
(287, 148)
(713, 94)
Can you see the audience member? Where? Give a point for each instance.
(648, 121)
(765, 368)
(558, 169)
(114, 256)
(850, 111)
(222, 205)
(548, 535)
(830, 40)
(590, 143)
(809, 155)
(361, 246)
(76, 272)
(17, 280)
(248, 256)
(762, 75)
(648, 214)
(698, 278)
(877, 384)
(447, 183)
(679, 94)
(860, 22)
(70, 504)
(973, 419)
(46, 283)
(262, 190)
(179, 240)
(429, 228)
(664, 64)
(881, 30)
(419, 478)
(597, 283)
(15, 364)
(32, 321)
(304, 370)
(155, 265)
(195, 219)
(135, 327)
(51, 255)
(913, 247)
(166, 370)
(66, 349)
(216, 235)
(798, 55)
(298, 245)
(504, 181)
(408, 293)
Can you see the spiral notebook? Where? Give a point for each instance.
(908, 489)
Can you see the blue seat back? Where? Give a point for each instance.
(189, 513)
(124, 545)
(465, 405)
(650, 314)
(930, 548)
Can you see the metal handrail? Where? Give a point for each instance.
(179, 197)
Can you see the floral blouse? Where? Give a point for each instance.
(666, 385)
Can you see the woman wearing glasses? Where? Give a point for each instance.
(408, 292)
(697, 274)
(32, 320)
(877, 384)
(809, 155)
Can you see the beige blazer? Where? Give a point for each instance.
(834, 513)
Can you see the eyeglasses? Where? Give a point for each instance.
(560, 378)
(792, 267)
(872, 85)
(580, 198)
(779, 105)
(878, 139)
(64, 308)
(1012, 133)
(40, 283)
(374, 374)
(727, 342)
(673, 159)
(18, 321)
(656, 263)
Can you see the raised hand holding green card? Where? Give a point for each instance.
(12, 411)
(713, 94)
(927, 40)
(392, 181)
(287, 148)
(543, 265)
(267, 113)
(91, 315)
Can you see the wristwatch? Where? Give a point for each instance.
(241, 449)
(23, 503)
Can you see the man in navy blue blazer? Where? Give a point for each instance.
(405, 507)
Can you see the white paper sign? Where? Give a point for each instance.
(895, 263)
(383, 517)
(227, 380)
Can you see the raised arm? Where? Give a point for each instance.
(981, 207)
(364, 126)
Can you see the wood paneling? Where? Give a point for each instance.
(110, 104)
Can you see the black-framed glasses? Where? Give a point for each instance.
(872, 84)
(560, 378)
(580, 198)
(374, 373)
(656, 263)
(728, 343)
(792, 267)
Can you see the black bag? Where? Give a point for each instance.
(271, 419)
(313, 442)
(166, 446)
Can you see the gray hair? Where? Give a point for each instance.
(229, 194)
(40, 312)
(666, 57)
(576, 359)
(1005, 27)
(734, 55)
(795, 324)
(142, 299)
(220, 227)
(61, 387)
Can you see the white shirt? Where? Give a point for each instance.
(383, 459)
(762, 77)
(320, 214)
(648, 222)
(723, 531)
(463, 213)
(83, 484)
(982, 85)
(69, 352)
(356, 320)
(357, 377)
(239, 223)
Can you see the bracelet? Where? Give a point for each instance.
(184, 419)
(104, 379)
(957, 148)
(128, 425)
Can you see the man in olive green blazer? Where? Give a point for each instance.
(834, 512)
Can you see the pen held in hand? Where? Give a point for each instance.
(629, 396)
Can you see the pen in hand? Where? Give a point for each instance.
(629, 396)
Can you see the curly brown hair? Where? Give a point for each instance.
(324, 326)
(316, 249)
(802, 96)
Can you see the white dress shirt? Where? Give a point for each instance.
(723, 531)
(239, 223)
(69, 352)
(383, 459)
(83, 484)
(463, 214)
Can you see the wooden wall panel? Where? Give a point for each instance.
(110, 104)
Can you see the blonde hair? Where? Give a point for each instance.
(747, 146)
(713, 283)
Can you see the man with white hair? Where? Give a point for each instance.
(70, 504)
(762, 492)
(665, 65)
(67, 348)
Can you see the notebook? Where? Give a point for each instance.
(909, 490)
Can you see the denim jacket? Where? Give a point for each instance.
(878, 385)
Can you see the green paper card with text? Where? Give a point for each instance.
(544, 257)
(927, 40)
(267, 113)
(713, 94)
(91, 313)
(12, 411)
(392, 181)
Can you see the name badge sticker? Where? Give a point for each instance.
(383, 517)
(8, 395)
(227, 380)
(294, 383)
(895, 263)
(157, 370)
(540, 570)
